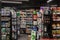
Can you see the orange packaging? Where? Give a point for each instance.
(58, 8)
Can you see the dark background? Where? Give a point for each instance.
(32, 3)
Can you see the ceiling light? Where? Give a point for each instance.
(49, 1)
(11, 2)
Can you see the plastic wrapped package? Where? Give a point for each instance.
(39, 20)
(22, 26)
(34, 22)
(33, 35)
(3, 37)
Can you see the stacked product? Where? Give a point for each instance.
(52, 23)
(18, 22)
(56, 22)
(14, 27)
(47, 22)
(34, 28)
(22, 21)
(28, 21)
(6, 24)
(40, 25)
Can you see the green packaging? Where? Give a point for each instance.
(33, 35)
(18, 13)
(34, 12)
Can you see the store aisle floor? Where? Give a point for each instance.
(23, 37)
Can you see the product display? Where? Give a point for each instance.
(37, 24)
(6, 24)
(56, 23)
(14, 25)
(33, 35)
(47, 17)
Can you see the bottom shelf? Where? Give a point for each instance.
(5, 37)
(49, 39)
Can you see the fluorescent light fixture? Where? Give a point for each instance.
(49, 1)
(11, 2)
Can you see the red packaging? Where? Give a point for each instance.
(58, 8)
(44, 39)
(47, 39)
(35, 17)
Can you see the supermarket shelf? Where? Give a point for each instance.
(56, 14)
(6, 24)
(55, 21)
(5, 16)
(5, 27)
(47, 15)
(5, 20)
(55, 29)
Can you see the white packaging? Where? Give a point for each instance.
(39, 20)
(22, 26)
(34, 22)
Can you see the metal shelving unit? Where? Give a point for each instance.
(47, 23)
(14, 25)
(6, 26)
(56, 23)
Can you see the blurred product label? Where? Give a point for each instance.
(35, 17)
(39, 14)
(18, 13)
(34, 22)
(34, 12)
(33, 35)
(3, 37)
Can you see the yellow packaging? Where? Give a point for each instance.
(54, 26)
(53, 31)
(58, 31)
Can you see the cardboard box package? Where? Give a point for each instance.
(29, 37)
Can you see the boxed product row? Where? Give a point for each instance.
(5, 37)
(55, 31)
(5, 12)
(22, 26)
(5, 18)
(56, 17)
(28, 30)
(4, 24)
(56, 26)
(5, 30)
(26, 19)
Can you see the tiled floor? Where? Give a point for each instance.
(23, 37)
